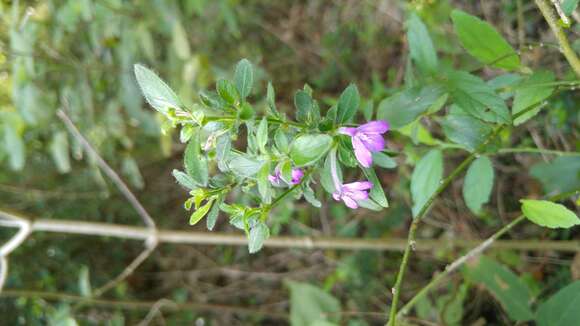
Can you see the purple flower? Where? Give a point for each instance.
(277, 181)
(366, 139)
(351, 193)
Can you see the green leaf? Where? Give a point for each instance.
(85, 282)
(180, 41)
(465, 130)
(531, 92)
(347, 104)
(184, 180)
(483, 41)
(503, 284)
(262, 135)
(303, 104)
(264, 187)
(383, 160)
(259, 232)
(59, 149)
(245, 165)
(310, 305)
(562, 308)
(420, 44)
(200, 212)
(425, 179)
(130, 169)
(160, 96)
(326, 176)
(195, 163)
(568, 6)
(307, 149)
(311, 197)
(271, 99)
(281, 141)
(549, 214)
(404, 107)
(15, 147)
(212, 216)
(477, 98)
(478, 184)
(223, 148)
(376, 193)
(244, 78)
(560, 175)
(227, 91)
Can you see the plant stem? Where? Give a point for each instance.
(472, 253)
(536, 151)
(565, 47)
(413, 229)
(270, 120)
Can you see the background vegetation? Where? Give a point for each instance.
(80, 54)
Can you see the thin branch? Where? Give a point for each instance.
(141, 305)
(156, 309)
(561, 37)
(492, 240)
(152, 240)
(3, 272)
(107, 169)
(308, 243)
(24, 230)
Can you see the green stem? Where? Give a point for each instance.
(270, 120)
(565, 47)
(536, 151)
(472, 253)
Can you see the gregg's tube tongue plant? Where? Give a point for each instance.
(281, 158)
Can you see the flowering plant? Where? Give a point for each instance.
(277, 158)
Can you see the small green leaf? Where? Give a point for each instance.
(347, 104)
(223, 148)
(212, 216)
(562, 308)
(200, 212)
(465, 130)
(478, 184)
(326, 175)
(85, 282)
(227, 91)
(420, 44)
(404, 107)
(195, 163)
(59, 149)
(477, 98)
(15, 147)
(281, 141)
(483, 42)
(184, 180)
(376, 193)
(271, 99)
(504, 285)
(532, 91)
(549, 214)
(311, 197)
(310, 306)
(259, 232)
(560, 175)
(244, 165)
(425, 179)
(160, 96)
(303, 104)
(244, 78)
(568, 6)
(383, 160)
(307, 149)
(286, 171)
(262, 135)
(264, 187)
(180, 41)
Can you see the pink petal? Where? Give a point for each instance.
(363, 155)
(373, 142)
(376, 127)
(297, 175)
(336, 195)
(350, 203)
(358, 195)
(357, 186)
(347, 131)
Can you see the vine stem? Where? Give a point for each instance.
(471, 254)
(565, 47)
(413, 228)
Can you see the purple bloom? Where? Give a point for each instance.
(366, 139)
(277, 181)
(351, 193)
